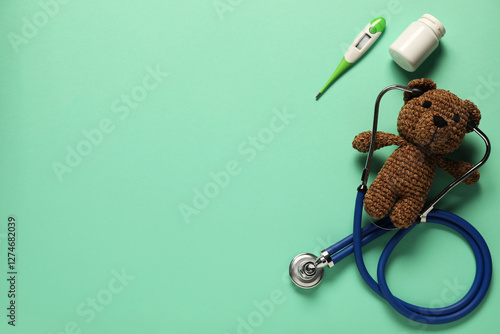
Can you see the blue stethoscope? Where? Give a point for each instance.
(306, 270)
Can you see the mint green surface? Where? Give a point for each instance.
(165, 161)
(379, 26)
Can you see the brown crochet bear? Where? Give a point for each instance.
(429, 126)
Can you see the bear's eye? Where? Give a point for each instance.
(427, 104)
(456, 118)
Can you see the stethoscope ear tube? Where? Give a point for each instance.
(366, 170)
(422, 314)
(430, 206)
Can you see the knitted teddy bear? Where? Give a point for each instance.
(429, 126)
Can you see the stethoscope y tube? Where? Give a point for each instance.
(306, 270)
(366, 170)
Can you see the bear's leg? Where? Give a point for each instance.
(379, 199)
(405, 211)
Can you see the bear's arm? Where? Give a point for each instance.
(457, 168)
(362, 141)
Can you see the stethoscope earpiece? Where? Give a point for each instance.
(416, 92)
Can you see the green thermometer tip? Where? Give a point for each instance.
(344, 65)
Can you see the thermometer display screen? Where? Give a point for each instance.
(363, 41)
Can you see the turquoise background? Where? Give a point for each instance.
(103, 245)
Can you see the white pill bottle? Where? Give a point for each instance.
(417, 42)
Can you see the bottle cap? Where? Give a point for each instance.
(433, 23)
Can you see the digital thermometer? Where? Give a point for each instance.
(360, 45)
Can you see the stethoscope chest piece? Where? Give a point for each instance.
(304, 272)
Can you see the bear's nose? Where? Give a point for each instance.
(440, 122)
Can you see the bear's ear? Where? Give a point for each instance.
(474, 115)
(422, 84)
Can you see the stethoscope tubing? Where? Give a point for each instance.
(344, 247)
(416, 313)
